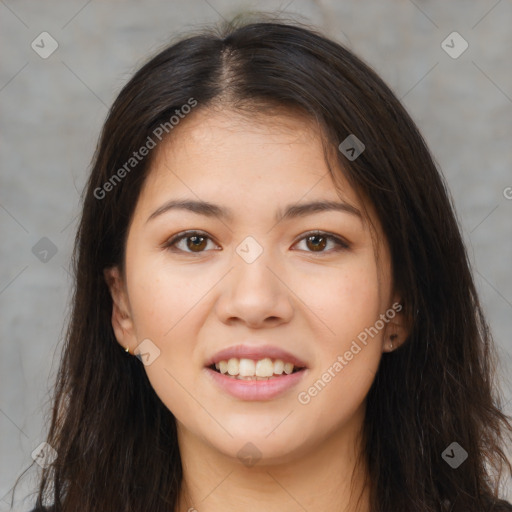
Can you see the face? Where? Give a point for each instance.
(253, 280)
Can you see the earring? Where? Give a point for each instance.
(127, 349)
(392, 337)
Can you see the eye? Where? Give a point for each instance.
(197, 241)
(194, 240)
(317, 241)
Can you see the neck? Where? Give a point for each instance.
(323, 477)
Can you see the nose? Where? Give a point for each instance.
(255, 294)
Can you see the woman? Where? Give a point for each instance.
(274, 309)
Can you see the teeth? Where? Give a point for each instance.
(223, 366)
(264, 368)
(278, 366)
(288, 368)
(247, 368)
(233, 366)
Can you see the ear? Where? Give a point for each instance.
(397, 328)
(122, 321)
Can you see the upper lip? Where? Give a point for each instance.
(255, 352)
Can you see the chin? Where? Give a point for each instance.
(253, 444)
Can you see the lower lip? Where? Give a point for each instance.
(256, 389)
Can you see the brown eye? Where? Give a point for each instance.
(196, 242)
(191, 242)
(317, 241)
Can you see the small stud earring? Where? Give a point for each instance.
(392, 337)
(127, 349)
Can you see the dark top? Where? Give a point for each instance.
(500, 506)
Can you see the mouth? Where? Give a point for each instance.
(255, 370)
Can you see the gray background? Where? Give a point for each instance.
(52, 110)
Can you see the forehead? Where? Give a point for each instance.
(257, 157)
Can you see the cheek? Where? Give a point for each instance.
(347, 300)
(349, 350)
(162, 296)
(163, 304)
(168, 303)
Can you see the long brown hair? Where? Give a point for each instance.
(116, 442)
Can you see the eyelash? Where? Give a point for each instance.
(171, 243)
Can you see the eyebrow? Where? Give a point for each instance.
(291, 211)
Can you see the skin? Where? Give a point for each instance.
(311, 303)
